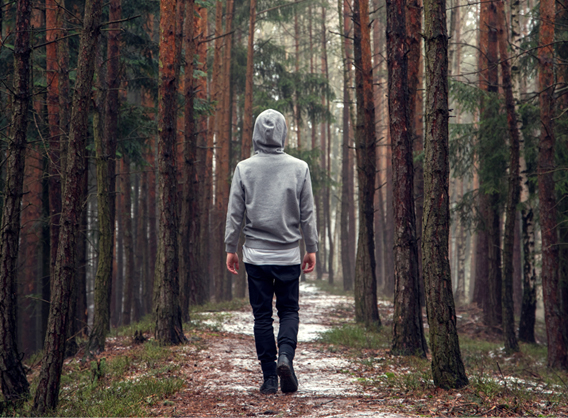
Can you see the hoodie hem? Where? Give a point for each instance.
(266, 245)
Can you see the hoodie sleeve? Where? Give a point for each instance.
(235, 213)
(307, 215)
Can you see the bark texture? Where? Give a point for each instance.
(47, 392)
(408, 333)
(13, 380)
(528, 307)
(106, 186)
(166, 281)
(105, 245)
(346, 266)
(513, 194)
(447, 367)
(366, 310)
(188, 210)
(247, 114)
(557, 355)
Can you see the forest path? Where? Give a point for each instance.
(224, 378)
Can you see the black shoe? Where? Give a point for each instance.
(270, 385)
(288, 380)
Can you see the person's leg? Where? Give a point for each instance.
(261, 291)
(287, 290)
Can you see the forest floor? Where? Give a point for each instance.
(343, 370)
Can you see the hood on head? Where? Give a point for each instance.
(269, 132)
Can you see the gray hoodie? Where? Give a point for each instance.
(272, 191)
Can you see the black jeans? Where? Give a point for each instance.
(264, 283)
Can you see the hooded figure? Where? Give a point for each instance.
(271, 194)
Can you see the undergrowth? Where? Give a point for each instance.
(499, 384)
(121, 385)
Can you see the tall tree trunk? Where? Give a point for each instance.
(352, 239)
(365, 272)
(327, 155)
(119, 281)
(447, 367)
(203, 242)
(13, 380)
(106, 186)
(513, 193)
(187, 225)
(128, 241)
(557, 355)
(528, 307)
(223, 160)
(249, 78)
(215, 93)
(101, 312)
(138, 244)
(346, 266)
(378, 95)
(52, 77)
(408, 333)
(489, 201)
(29, 252)
(166, 283)
(415, 102)
(47, 391)
(152, 225)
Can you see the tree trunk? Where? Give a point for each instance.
(203, 242)
(447, 367)
(249, 78)
(327, 155)
(557, 355)
(528, 307)
(137, 245)
(106, 227)
(12, 375)
(352, 241)
(489, 202)
(415, 102)
(52, 78)
(128, 241)
(47, 392)
(408, 333)
(513, 193)
(378, 95)
(223, 161)
(29, 252)
(187, 226)
(106, 186)
(166, 284)
(346, 266)
(365, 272)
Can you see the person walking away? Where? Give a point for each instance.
(272, 192)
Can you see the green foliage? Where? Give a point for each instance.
(135, 127)
(356, 336)
(277, 87)
(480, 146)
(317, 173)
(223, 306)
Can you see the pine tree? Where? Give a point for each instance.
(447, 367)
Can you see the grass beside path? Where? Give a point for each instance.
(500, 385)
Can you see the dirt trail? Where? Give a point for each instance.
(224, 378)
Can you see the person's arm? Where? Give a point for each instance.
(235, 213)
(308, 216)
